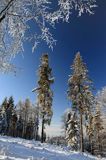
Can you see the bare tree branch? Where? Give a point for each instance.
(4, 11)
(15, 16)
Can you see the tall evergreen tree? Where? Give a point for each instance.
(45, 94)
(79, 91)
(4, 104)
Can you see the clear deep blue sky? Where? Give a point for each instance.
(86, 34)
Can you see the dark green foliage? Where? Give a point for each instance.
(19, 127)
(9, 114)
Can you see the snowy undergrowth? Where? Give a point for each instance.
(20, 149)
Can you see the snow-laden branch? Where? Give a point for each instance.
(15, 16)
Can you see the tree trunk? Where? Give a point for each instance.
(23, 130)
(42, 133)
(37, 128)
(91, 145)
(99, 145)
(36, 138)
(81, 133)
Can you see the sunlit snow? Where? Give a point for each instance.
(20, 149)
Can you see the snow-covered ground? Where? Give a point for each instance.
(20, 149)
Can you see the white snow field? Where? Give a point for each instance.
(20, 149)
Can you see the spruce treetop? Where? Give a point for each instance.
(79, 68)
(80, 86)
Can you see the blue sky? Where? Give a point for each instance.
(86, 34)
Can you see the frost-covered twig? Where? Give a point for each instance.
(15, 16)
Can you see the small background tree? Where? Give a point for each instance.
(72, 130)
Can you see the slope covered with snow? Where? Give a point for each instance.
(20, 149)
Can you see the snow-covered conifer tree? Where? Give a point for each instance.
(98, 129)
(3, 120)
(64, 120)
(44, 92)
(72, 130)
(9, 113)
(101, 98)
(79, 91)
(7, 110)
